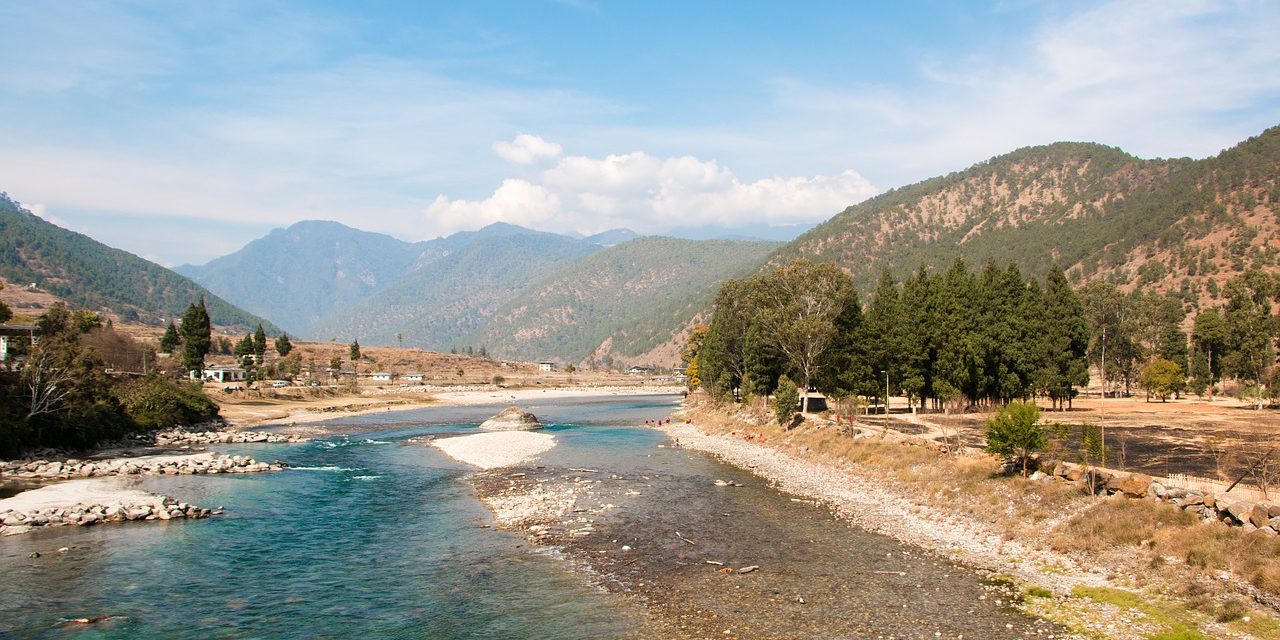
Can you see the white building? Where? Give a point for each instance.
(380, 376)
(414, 377)
(546, 366)
(221, 373)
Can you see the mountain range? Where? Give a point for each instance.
(1174, 225)
(90, 275)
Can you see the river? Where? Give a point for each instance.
(371, 536)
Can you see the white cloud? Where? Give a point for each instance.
(527, 149)
(649, 194)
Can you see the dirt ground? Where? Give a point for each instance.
(1216, 440)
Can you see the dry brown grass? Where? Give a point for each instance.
(1115, 522)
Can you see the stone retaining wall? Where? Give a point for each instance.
(172, 438)
(159, 508)
(1252, 516)
(185, 465)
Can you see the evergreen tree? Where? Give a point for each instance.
(170, 340)
(196, 336)
(881, 332)
(1250, 328)
(1014, 433)
(259, 341)
(5, 313)
(283, 345)
(1064, 336)
(785, 400)
(354, 351)
(761, 364)
(246, 346)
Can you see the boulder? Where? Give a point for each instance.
(1260, 515)
(1240, 511)
(512, 419)
(1134, 485)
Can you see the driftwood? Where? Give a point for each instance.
(686, 540)
(1253, 467)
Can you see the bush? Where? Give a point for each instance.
(786, 398)
(1015, 435)
(157, 402)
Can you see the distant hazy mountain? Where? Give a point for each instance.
(621, 302)
(612, 237)
(88, 274)
(298, 275)
(773, 233)
(442, 303)
(1184, 226)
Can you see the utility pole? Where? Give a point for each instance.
(886, 401)
(1102, 411)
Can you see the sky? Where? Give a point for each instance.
(180, 131)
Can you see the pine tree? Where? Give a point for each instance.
(246, 346)
(196, 336)
(5, 313)
(283, 345)
(354, 351)
(1209, 336)
(1064, 339)
(170, 340)
(259, 342)
(881, 329)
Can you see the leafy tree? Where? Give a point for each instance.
(1015, 434)
(1250, 328)
(170, 340)
(1162, 378)
(354, 350)
(259, 341)
(157, 402)
(283, 345)
(335, 366)
(196, 336)
(1209, 337)
(785, 400)
(689, 356)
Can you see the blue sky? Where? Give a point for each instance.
(145, 124)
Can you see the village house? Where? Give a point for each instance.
(414, 377)
(14, 331)
(639, 370)
(221, 373)
(546, 366)
(381, 376)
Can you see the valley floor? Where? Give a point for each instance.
(1102, 567)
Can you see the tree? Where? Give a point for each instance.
(1162, 378)
(1064, 340)
(5, 313)
(1015, 434)
(196, 336)
(1250, 328)
(170, 340)
(283, 345)
(689, 356)
(799, 304)
(785, 400)
(354, 350)
(335, 366)
(246, 346)
(1209, 337)
(259, 342)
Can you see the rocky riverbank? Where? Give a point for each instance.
(199, 463)
(177, 438)
(89, 502)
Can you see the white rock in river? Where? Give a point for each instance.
(512, 419)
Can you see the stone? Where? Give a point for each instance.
(1259, 515)
(1134, 485)
(1157, 489)
(1274, 523)
(512, 419)
(1273, 510)
(1240, 511)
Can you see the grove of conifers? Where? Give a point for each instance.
(961, 338)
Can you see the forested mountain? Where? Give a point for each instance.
(618, 303)
(1183, 226)
(442, 303)
(612, 237)
(296, 276)
(90, 275)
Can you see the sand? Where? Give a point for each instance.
(498, 449)
(71, 492)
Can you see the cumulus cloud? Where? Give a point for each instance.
(527, 149)
(648, 194)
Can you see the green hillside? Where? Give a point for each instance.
(91, 275)
(441, 304)
(1173, 225)
(635, 295)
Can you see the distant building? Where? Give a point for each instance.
(639, 370)
(546, 366)
(221, 373)
(381, 376)
(15, 331)
(414, 377)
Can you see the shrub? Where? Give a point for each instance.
(157, 402)
(1015, 435)
(786, 398)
